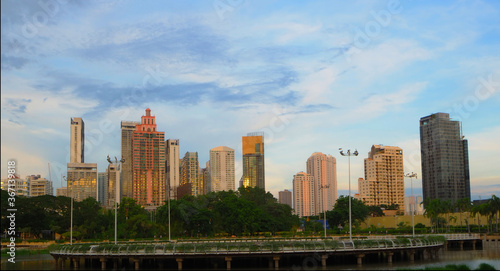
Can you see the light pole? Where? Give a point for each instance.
(349, 154)
(324, 209)
(412, 175)
(169, 236)
(117, 190)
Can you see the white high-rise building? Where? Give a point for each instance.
(222, 176)
(172, 171)
(303, 195)
(77, 140)
(323, 169)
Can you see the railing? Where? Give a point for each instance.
(461, 236)
(264, 247)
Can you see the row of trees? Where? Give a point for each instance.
(246, 211)
(441, 212)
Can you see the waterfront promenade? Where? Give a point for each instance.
(312, 251)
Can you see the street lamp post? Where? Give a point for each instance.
(324, 209)
(117, 191)
(412, 175)
(169, 189)
(349, 154)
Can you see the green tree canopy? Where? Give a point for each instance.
(340, 213)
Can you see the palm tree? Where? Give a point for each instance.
(432, 210)
(494, 202)
(446, 207)
(474, 212)
(463, 205)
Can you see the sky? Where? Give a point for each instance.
(314, 76)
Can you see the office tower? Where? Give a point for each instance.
(206, 176)
(77, 140)
(221, 169)
(82, 180)
(39, 186)
(285, 197)
(303, 194)
(323, 169)
(127, 135)
(102, 188)
(19, 185)
(148, 163)
(81, 177)
(445, 158)
(172, 171)
(253, 161)
(384, 177)
(189, 174)
(113, 191)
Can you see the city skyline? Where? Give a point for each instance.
(312, 76)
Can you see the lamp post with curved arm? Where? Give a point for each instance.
(412, 175)
(349, 154)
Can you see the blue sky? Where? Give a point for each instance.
(314, 76)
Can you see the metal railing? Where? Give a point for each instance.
(263, 247)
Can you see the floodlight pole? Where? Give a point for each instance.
(324, 209)
(412, 175)
(349, 154)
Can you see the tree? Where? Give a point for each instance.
(432, 210)
(494, 203)
(340, 213)
(375, 211)
(463, 205)
(480, 209)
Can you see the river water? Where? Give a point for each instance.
(472, 258)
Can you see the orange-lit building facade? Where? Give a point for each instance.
(384, 177)
(303, 194)
(253, 161)
(148, 162)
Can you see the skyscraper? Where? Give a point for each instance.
(113, 191)
(221, 169)
(204, 178)
(172, 171)
(82, 177)
(285, 197)
(384, 177)
(102, 187)
(323, 169)
(127, 136)
(303, 194)
(77, 140)
(82, 180)
(148, 163)
(189, 173)
(253, 161)
(445, 158)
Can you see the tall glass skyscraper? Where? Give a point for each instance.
(253, 161)
(445, 158)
